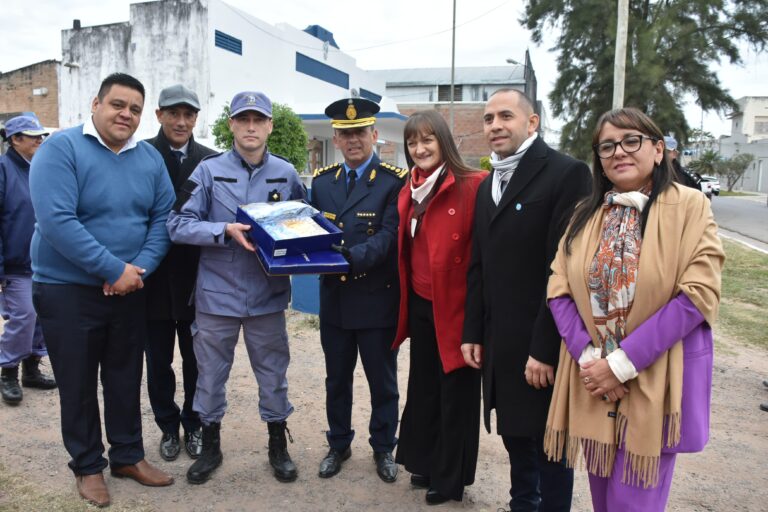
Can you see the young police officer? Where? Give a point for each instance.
(232, 289)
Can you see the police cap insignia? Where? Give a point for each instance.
(352, 113)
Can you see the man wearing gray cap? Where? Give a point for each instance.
(232, 288)
(170, 287)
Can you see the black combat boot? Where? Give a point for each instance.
(210, 458)
(9, 386)
(279, 459)
(32, 377)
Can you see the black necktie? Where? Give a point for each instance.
(178, 155)
(352, 180)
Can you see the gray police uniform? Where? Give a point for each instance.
(232, 288)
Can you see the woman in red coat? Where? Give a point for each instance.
(440, 426)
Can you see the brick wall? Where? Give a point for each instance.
(468, 127)
(16, 92)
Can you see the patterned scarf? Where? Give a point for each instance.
(424, 186)
(504, 168)
(613, 272)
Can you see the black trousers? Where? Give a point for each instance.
(161, 379)
(87, 331)
(440, 427)
(537, 483)
(341, 347)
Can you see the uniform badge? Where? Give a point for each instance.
(351, 111)
(373, 176)
(365, 215)
(329, 216)
(273, 196)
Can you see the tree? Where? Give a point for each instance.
(732, 169)
(288, 138)
(699, 141)
(670, 47)
(707, 164)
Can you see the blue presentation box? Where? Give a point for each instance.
(304, 255)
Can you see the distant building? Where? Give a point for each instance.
(749, 134)
(31, 89)
(430, 88)
(219, 50)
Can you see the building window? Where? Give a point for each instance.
(761, 125)
(321, 71)
(365, 93)
(444, 93)
(229, 43)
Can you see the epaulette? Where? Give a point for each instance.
(397, 171)
(323, 170)
(214, 155)
(281, 157)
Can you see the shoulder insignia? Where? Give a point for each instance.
(399, 172)
(213, 155)
(324, 170)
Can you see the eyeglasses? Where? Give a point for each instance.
(630, 144)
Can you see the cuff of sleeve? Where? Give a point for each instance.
(220, 234)
(621, 366)
(590, 353)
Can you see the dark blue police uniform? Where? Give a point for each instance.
(358, 310)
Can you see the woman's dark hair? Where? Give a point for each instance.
(663, 175)
(429, 122)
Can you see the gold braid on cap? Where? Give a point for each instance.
(352, 123)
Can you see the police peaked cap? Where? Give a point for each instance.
(352, 113)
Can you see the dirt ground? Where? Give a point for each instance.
(731, 474)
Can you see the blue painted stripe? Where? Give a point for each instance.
(321, 71)
(227, 42)
(365, 93)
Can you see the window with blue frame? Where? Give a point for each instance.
(227, 42)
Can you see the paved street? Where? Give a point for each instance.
(744, 218)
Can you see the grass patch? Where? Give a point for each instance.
(744, 298)
(734, 193)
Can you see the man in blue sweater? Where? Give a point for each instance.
(101, 198)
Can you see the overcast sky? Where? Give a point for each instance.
(380, 35)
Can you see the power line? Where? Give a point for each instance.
(429, 35)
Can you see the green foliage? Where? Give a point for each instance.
(485, 163)
(670, 47)
(288, 138)
(708, 163)
(732, 169)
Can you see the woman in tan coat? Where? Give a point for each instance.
(634, 291)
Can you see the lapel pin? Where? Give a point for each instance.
(518, 207)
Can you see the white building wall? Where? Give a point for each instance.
(173, 41)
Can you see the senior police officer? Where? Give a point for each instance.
(232, 289)
(358, 310)
(169, 288)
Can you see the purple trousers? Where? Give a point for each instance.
(610, 495)
(22, 336)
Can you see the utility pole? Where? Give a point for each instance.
(453, 60)
(620, 61)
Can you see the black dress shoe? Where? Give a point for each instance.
(764, 407)
(193, 443)
(169, 446)
(9, 386)
(435, 498)
(331, 464)
(419, 481)
(385, 466)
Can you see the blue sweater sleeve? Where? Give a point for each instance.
(2, 211)
(157, 243)
(54, 191)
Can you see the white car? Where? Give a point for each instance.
(710, 185)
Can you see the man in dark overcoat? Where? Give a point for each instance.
(169, 290)
(520, 214)
(358, 310)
